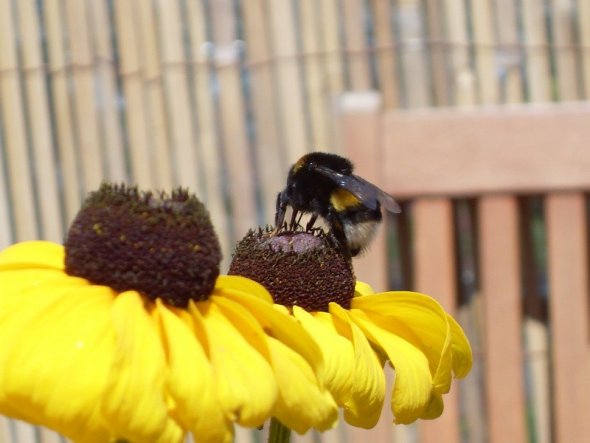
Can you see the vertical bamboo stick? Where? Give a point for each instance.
(233, 124)
(416, 82)
(438, 52)
(386, 54)
(288, 79)
(356, 45)
(109, 119)
(5, 433)
(207, 135)
(271, 165)
(184, 146)
(329, 10)
(135, 112)
(485, 63)
(584, 27)
(316, 86)
(537, 60)
(84, 83)
(15, 132)
(153, 95)
(6, 235)
(62, 110)
(562, 26)
(510, 59)
(463, 77)
(39, 124)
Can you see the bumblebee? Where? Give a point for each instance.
(324, 185)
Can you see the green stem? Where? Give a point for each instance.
(279, 433)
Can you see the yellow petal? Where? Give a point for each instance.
(241, 285)
(245, 382)
(190, 379)
(363, 408)
(420, 320)
(462, 356)
(33, 255)
(302, 403)
(284, 327)
(55, 355)
(412, 389)
(362, 288)
(338, 352)
(134, 404)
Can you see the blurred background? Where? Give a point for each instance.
(471, 112)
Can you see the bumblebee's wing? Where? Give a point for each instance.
(365, 191)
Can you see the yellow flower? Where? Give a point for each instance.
(358, 331)
(129, 333)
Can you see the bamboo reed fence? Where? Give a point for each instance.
(221, 96)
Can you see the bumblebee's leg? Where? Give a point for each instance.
(311, 222)
(292, 224)
(281, 208)
(337, 230)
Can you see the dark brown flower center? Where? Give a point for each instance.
(162, 246)
(297, 268)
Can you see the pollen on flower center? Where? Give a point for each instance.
(297, 268)
(162, 246)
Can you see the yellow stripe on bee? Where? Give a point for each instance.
(342, 199)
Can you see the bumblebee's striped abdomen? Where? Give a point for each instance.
(343, 200)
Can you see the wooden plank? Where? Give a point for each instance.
(287, 66)
(39, 124)
(386, 53)
(435, 276)
(511, 149)
(356, 45)
(568, 307)
(563, 31)
(84, 94)
(62, 110)
(135, 112)
(207, 135)
(232, 120)
(183, 143)
(108, 109)
(268, 145)
(14, 130)
(500, 281)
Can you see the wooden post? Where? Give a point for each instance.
(500, 273)
(435, 275)
(567, 248)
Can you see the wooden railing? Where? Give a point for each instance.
(533, 372)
